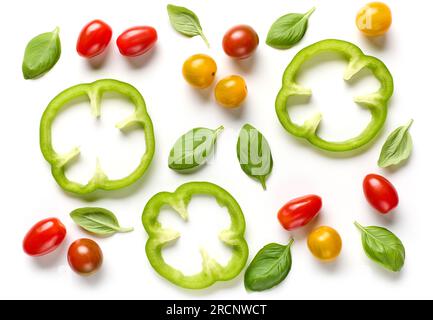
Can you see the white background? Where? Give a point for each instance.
(29, 193)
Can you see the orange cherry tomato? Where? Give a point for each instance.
(374, 19)
(231, 91)
(199, 70)
(325, 243)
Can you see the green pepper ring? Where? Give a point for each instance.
(159, 237)
(95, 93)
(376, 102)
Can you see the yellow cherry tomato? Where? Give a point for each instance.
(199, 70)
(374, 19)
(231, 91)
(325, 243)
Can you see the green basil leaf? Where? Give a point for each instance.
(288, 30)
(193, 148)
(397, 147)
(254, 154)
(185, 22)
(269, 267)
(41, 54)
(383, 247)
(99, 221)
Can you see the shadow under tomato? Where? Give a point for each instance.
(94, 279)
(99, 61)
(379, 42)
(331, 267)
(301, 234)
(237, 112)
(205, 94)
(386, 220)
(142, 60)
(244, 65)
(54, 259)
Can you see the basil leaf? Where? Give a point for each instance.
(99, 221)
(41, 54)
(288, 30)
(193, 148)
(269, 267)
(383, 247)
(185, 22)
(397, 148)
(254, 154)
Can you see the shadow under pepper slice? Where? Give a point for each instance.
(160, 237)
(94, 91)
(376, 102)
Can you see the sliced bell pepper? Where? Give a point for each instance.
(160, 237)
(376, 102)
(95, 91)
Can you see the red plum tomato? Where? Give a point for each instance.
(136, 41)
(44, 237)
(94, 39)
(380, 193)
(299, 212)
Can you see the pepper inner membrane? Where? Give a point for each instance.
(119, 152)
(201, 230)
(332, 96)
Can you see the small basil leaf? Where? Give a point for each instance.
(193, 148)
(383, 247)
(254, 154)
(397, 147)
(41, 54)
(98, 221)
(269, 267)
(288, 30)
(185, 22)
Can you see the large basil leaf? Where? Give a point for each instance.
(397, 148)
(193, 148)
(99, 221)
(383, 247)
(185, 22)
(41, 54)
(254, 154)
(269, 267)
(288, 30)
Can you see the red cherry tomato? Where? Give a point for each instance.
(94, 38)
(44, 237)
(299, 212)
(137, 41)
(380, 193)
(240, 42)
(85, 256)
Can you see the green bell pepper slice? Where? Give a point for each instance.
(376, 102)
(95, 91)
(160, 237)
